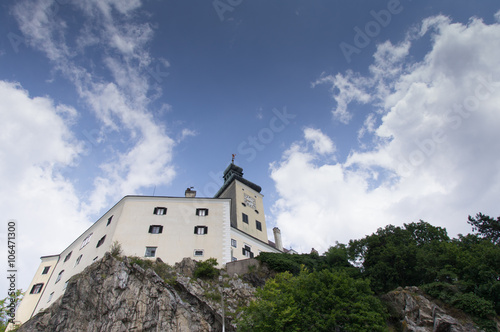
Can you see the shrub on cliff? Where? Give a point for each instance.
(314, 301)
(206, 269)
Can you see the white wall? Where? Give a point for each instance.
(177, 239)
(131, 219)
(243, 239)
(29, 302)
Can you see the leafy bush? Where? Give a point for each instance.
(292, 263)
(144, 263)
(314, 301)
(474, 305)
(441, 290)
(206, 269)
(279, 262)
(486, 325)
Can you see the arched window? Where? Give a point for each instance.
(59, 276)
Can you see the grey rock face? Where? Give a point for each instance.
(115, 296)
(418, 314)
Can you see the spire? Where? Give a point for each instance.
(234, 172)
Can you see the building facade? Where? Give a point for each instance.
(230, 226)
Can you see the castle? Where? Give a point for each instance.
(230, 226)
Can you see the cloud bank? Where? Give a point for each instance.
(107, 63)
(432, 136)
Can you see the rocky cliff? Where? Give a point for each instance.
(119, 295)
(414, 312)
(129, 294)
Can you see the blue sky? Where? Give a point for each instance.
(350, 115)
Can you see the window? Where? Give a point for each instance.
(78, 260)
(36, 289)
(65, 285)
(59, 276)
(202, 212)
(67, 257)
(101, 241)
(150, 252)
(95, 258)
(200, 230)
(86, 240)
(234, 259)
(109, 221)
(50, 297)
(245, 218)
(258, 224)
(160, 211)
(233, 243)
(198, 252)
(46, 270)
(155, 229)
(247, 251)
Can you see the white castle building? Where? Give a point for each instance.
(230, 226)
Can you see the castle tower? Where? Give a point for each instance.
(247, 207)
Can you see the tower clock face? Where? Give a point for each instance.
(250, 201)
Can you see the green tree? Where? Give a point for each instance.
(478, 267)
(292, 263)
(423, 233)
(486, 227)
(401, 256)
(388, 258)
(6, 306)
(314, 301)
(337, 256)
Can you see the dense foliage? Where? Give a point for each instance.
(335, 257)
(206, 269)
(7, 306)
(314, 301)
(486, 227)
(463, 272)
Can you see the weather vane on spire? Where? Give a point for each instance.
(232, 160)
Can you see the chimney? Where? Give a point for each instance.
(189, 192)
(277, 238)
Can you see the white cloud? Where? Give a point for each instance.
(187, 133)
(322, 144)
(36, 143)
(348, 91)
(368, 125)
(119, 97)
(120, 104)
(353, 88)
(435, 156)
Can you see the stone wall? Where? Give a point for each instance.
(241, 267)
